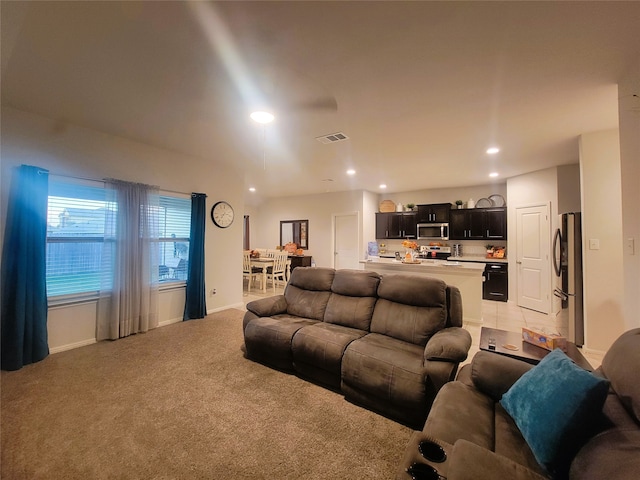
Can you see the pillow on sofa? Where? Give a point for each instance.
(554, 405)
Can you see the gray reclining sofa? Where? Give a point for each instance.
(388, 343)
(482, 441)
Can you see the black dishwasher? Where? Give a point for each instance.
(496, 282)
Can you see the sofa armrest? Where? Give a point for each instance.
(493, 374)
(267, 307)
(449, 344)
(469, 461)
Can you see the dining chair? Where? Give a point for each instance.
(279, 269)
(248, 271)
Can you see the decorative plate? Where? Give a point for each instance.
(497, 200)
(484, 203)
(387, 206)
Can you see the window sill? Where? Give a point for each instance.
(89, 297)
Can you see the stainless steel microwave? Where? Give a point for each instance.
(433, 231)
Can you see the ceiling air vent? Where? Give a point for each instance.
(332, 138)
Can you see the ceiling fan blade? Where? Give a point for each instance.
(325, 103)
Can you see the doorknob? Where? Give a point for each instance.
(519, 263)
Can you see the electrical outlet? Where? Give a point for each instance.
(213, 291)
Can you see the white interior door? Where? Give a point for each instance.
(533, 266)
(346, 241)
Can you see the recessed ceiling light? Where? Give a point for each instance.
(351, 171)
(494, 174)
(493, 150)
(382, 185)
(262, 117)
(252, 189)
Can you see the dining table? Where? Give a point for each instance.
(264, 263)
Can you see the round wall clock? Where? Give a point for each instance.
(222, 214)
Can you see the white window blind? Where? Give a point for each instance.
(76, 232)
(175, 226)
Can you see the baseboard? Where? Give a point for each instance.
(239, 306)
(593, 353)
(71, 346)
(164, 323)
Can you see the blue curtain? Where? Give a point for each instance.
(195, 304)
(24, 289)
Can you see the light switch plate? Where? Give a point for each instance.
(594, 244)
(631, 246)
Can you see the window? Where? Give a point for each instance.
(76, 232)
(175, 227)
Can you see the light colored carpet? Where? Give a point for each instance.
(182, 402)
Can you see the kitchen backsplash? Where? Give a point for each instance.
(469, 247)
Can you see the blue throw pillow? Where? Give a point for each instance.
(555, 405)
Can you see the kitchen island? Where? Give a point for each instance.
(467, 276)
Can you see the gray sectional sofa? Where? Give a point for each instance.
(388, 343)
(483, 441)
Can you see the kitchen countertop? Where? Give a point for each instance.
(478, 258)
(426, 263)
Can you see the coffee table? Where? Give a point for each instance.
(525, 351)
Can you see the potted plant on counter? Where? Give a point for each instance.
(410, 206)
(459, 203)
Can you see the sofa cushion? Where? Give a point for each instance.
(461, 412)
(610, 454)
(322, 345)
(553, 404)
(353, 299)
(312, 278)
(308, 291)
(268, 339)
(410, 308)
(355, 283)
(388, 370)
(624, 380)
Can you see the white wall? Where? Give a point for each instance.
(66, 149)
(318, 209)
(536, 188)
(602, 222)
(629, 117)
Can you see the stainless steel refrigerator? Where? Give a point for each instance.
(567, 262)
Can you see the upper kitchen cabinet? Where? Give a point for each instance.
(466, 225)
(495, 223)
(478, 224)
(434, 213)
(396, 225)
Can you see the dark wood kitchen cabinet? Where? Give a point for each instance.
(398, 225)
(495, 223)
(434, 213)
(466, 224)
(478, 224)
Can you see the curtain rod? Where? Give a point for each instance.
(104, 181)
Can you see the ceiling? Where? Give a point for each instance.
(420, 88)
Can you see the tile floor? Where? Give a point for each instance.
(502, 315)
